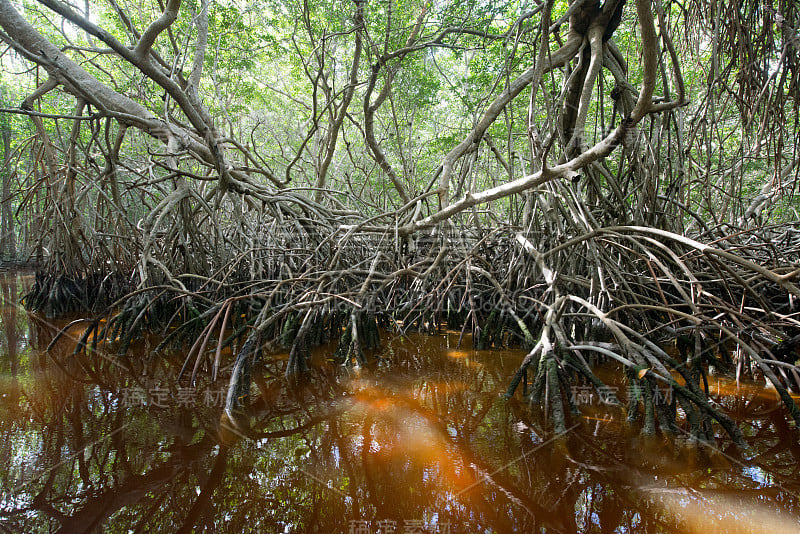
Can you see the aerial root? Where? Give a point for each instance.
(618, 296)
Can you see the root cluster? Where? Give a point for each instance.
(665, 307)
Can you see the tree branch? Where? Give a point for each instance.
(163, 22)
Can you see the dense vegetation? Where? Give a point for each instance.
(588, 180)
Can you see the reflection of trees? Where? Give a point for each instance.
(133, 468)
(101, 505)
(9, 367)
(9, 362)
(426, 434)
(615, 480)
(413, 437)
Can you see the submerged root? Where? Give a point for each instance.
(55, 295)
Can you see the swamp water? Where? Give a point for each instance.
(421, 442)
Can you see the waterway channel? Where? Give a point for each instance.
(422, 441)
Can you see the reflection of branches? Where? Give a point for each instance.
(202, 506)
(132, 490)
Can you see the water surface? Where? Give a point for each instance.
(421, 442)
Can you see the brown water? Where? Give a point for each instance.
(423, 442)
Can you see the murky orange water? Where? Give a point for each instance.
(420, 442)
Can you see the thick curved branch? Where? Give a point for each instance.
(200, 47)
(595, 36)
(196, 115)
(154, 30)
(680, 99)
(371, 107)
(565, 170)
(341, 112)
(26, 39)
(649, 60)
(557, 59)
(369, 132)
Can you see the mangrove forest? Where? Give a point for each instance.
(400, 266)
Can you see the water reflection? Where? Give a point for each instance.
(421, 442)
